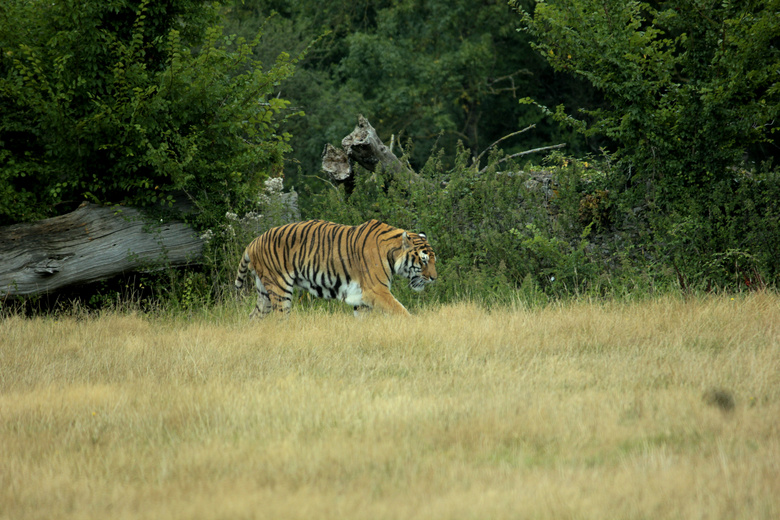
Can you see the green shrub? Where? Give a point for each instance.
(561, 230)
(132, 102)
(495, 232)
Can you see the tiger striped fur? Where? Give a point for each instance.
(354, 264)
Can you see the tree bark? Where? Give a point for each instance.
(90, 244)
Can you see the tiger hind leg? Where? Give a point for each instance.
(263, 305)
(278, 295)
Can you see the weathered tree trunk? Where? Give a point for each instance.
(90, 244)
(362, 146)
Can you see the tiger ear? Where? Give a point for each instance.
(405, 241)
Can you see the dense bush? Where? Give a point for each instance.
(493, 231)
(556, 230)
(132, 101)
(730, 240)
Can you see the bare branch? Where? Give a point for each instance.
(477, 159)
(542, 149)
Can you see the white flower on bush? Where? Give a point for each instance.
(274, 185)
(252, 216)
(207, 236)
(231, 216)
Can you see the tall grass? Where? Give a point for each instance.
(666, 408)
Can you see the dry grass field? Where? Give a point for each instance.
(668, 408)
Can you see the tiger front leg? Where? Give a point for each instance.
(382, 299)
(361, 310)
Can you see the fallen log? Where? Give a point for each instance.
(90, 244)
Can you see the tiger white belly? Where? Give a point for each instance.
(351, 294)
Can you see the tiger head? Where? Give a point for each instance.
(418, 261)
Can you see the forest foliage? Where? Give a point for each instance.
(430, 73)
(668, 110)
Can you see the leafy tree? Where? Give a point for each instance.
(693, 98)
(431, 72)
(433, 67)
(692, 85)
(132, 101)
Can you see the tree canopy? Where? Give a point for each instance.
(692, 86)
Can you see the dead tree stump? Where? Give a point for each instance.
(364, 147)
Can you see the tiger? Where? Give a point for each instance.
(354, 264)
